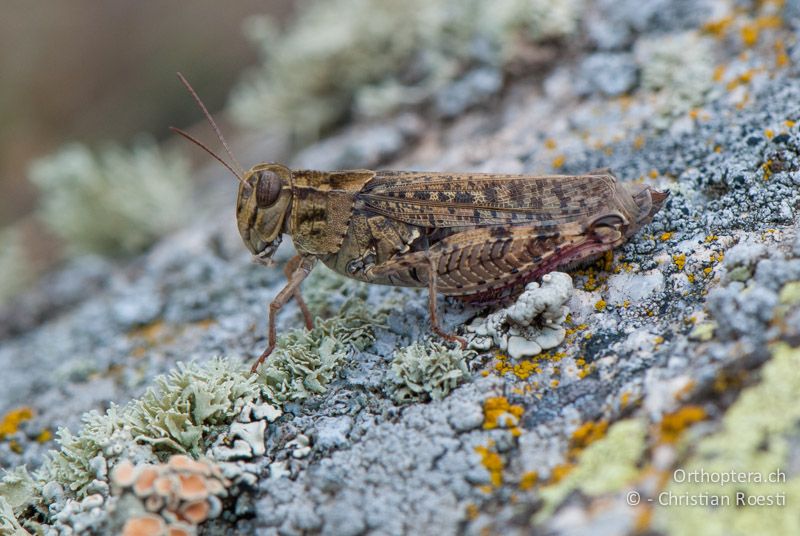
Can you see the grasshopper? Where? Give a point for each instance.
(475, 236)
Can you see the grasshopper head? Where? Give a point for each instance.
(264, 200)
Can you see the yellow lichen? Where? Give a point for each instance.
(718, 27)
(528, 480)
(493, 463)
(749, 34)
(674, 424)
(585, 435)
(769, 133)
(600, 305)
(559, 161)
(560, 471)
(550, 143)
(679, 260)
(44, 436)
(472, 511)
(13, 419)
(638, 142)
(496, 407)
(666, 236)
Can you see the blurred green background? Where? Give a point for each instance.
(93, 72)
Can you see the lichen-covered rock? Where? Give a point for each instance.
(532, 324)
(427, 371)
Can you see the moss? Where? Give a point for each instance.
(375, 56)
(427, 371)
(305, 362)
(113, 201)
(755, 436)
(605, 466)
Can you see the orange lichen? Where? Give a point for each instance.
(559, 161)
(560, 471)
(497, 408)
(550, 143)
(789, 123)
(718, 27)
(749, 34)
(13, 419)
(472, 511)
(528, 480)
(585, 435)
(719, 73)
(638, 142)
(666, 236)
(653, 174)
(769, 133)
(674, 424)
(493, 463)
(44, 436)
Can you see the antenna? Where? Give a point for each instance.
(212, 122)
(209, 151)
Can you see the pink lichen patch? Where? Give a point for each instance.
(181, 462)
(192, 487)
(123, 474)
(163, 486)
(195, 512)
(144, 481)
(144, 525)
(182, 491)
(180, 529)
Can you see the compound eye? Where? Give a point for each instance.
(268, 189)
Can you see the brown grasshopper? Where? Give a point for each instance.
(479, 237)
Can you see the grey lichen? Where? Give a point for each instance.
(112, 201)
(532, 324)
(427, 371)
(326, 64)
(305, 362)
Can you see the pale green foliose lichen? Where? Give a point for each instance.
(186, 404)
(427, 371)
(606, 466)
(305, 362)
(8, 521)
(755, 438)
(679, 68)
(15, 270)
(374, 56)
(113, 201)
(324, 285)
(180, 414)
